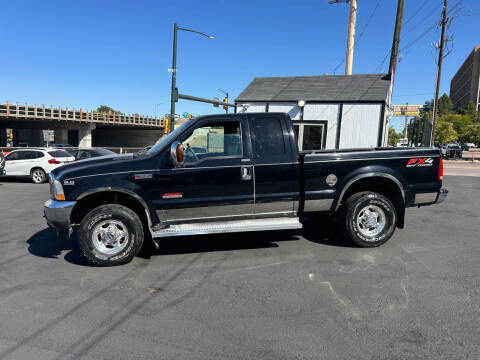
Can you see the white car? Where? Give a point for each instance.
(36, 163)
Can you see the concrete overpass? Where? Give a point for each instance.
(77, 127)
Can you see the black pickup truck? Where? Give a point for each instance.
(236, 173)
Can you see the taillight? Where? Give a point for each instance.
(440, 170)
(54, 161)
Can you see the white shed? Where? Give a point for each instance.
(330, 111)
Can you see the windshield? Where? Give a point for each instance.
(164, 140)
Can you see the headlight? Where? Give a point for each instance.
(56, 189)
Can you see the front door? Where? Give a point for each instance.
(216, 181)
(18, 162)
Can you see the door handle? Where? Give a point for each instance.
(246, 172)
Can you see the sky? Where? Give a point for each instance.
(82, 54)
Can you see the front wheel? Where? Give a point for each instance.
(110, 235)
(370, 219)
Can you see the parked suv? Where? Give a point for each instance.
(35, 163)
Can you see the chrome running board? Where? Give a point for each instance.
(229, 227)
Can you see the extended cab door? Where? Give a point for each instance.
(216, 182)
(275, 169)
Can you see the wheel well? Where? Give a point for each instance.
(383, 186)
(90, 202)
(37, 167)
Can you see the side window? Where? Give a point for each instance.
(213, 140)
(13, 156)
(269, 139)
(37, 155)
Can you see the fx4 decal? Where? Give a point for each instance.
(420, 162)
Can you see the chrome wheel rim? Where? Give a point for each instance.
(371, 221)
(110, 237)
(37, 176)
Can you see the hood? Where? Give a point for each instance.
(97, 165)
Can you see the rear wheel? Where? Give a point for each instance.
(370, 219)
(38, 176)
(110, 235)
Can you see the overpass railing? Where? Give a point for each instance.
(50, 113)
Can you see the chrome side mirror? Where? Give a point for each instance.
(176, 154)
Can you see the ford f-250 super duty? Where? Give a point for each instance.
(236, 173)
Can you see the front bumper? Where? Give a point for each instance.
(423, 199)
(58, 214)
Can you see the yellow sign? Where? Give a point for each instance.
(406, 110)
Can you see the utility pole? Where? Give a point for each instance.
(351, 37)
(405, 130)
(439, 73)
(351, 33)
(396, 40)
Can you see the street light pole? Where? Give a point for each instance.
(173, 98)
(174, 90)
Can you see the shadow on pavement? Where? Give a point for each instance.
(321, 230)
(47, 244)
(16, 179)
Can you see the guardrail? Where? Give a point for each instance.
(78, 115)
(118, 150)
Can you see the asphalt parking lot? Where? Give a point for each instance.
(282, 295)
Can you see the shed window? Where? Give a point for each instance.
(310, 135)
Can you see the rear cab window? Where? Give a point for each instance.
(269, 134)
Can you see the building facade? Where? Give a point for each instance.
(464, 86)
(328, 112)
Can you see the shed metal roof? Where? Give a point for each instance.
(338, 88)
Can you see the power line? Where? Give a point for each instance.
(416, 12)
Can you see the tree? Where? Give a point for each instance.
(461, 124)
(445, 105)
(393, 136)
(106, 109)
(471, 110)
(445, 133)
(427, 107)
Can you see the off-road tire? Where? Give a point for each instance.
(38, 176)
(116, 213)
(353, 208)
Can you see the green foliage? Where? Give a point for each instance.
(393, 136)
(453, 126)
(427, 107)
(445, 133)
(461, 124)
(471, 111)
(106, 109)
(445, 105)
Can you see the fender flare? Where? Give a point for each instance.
(124, 191)
(367, 175)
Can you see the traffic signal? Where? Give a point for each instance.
(189, 115)
(225, 100)
(166, 127)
